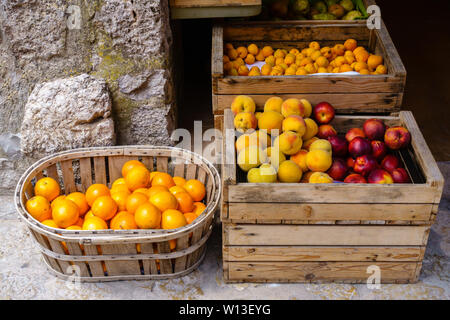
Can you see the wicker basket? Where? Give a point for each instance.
(108, 255)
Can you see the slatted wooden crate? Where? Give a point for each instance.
(347, 93)
(107, 255)
(329, 232)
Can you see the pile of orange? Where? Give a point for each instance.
(342, 57)
(139, 200)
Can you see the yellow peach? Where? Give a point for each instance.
(243, 104)
(251, 157)
(292, 106)
(271, 121)
(294, 123)
(273, 104)
(300, 159)
(308, 107)
(244, 121)
(320, 177)
(311, 129)
(289, 142)
(266, 173)
(321, 144)
(318, 160)
(244, 141)
(309, 142)
(289, 172)
(275, 156)
(262, 138)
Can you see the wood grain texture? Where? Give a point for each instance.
(318, 253)
(324, 235)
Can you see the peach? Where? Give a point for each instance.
(289, 142)
(273, 104)
(244, 121)
(397, 138)
(262, 137)
(321, 144)
(294, 123)
(311, 129)
(271, 121)
(289, 172)
(306, 176)
(266, 173)
(251, 157)
(258, 115)
(243, 104)
(244, 141)
(275, 156)
(353, 133)
(320, 177)
(374, 129)
(292, 106)
(300, 159)
(380, 176)
(326, 131)
(318, 160)
(355, 178)
(309, 142)
(308, 107)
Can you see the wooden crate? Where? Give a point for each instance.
(347, 93)
(329, 232)
(109, 255)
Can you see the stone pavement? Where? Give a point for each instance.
(23, 274)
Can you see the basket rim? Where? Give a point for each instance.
(109, 236)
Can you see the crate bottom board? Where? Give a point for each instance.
(314, 272)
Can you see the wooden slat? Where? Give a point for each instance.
(75, 250)
(85, 173)
(391, 272)
(53, 263)
(57, 247)
(217, 52)
(180, 263)
(115, 164)
(52, 172)
(196, 236)
(311, 84)
(162, 164)
(328, 211)
(148, 162)
(316, 253)
(178, 170)
(68, 176)
(343, 102)
(331, 193)
(100, 170)
(149, 264)
(191, 171)
(314, 235)
(121, 267)
(95, 267)
(165, 264)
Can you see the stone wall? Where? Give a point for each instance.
(125, 42)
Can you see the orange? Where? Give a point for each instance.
(96, 190)
(176, 189)
(362, 56)
(48, 188)
(196, 189)
(129, 165)
(120, 187)
(88, 214)
(138, 177)
(242, 52)
(50, 223)
(147, 216)
(154, 190)
(134, 201)
(172, 219)
(152, 175)
(118, 182)
(179, 181)
(79, 222)
(65, 213)
(164, 201)
(339, 49)
(61, 197)
(163, 179)
(94, 223)
(74, 227)
(80, 200)
(199, 207)
(374, 61)
(253, 49)
(141, 190)
(190, 217)
(350, 44)
(185, 202)
(123, 221)
(104, 207)
(120, 197)
(39, 208)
